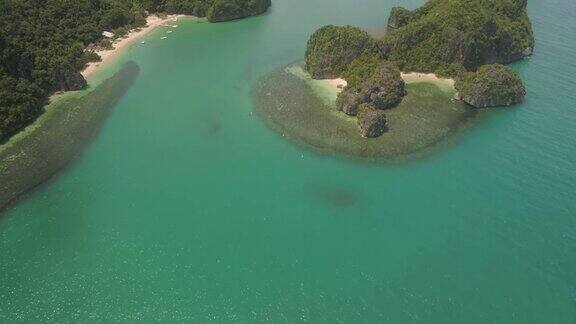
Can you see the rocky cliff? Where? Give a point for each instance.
(331, 48)
(382, 89)
(447, 37)
(491, 86)
(371, 121)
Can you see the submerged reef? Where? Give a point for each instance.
(58, 136)
(293, 104)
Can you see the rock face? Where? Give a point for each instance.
(371, 121)
(383, 89)
(398, 17)
(348, 101)
(224, 10)
(491, 86)
(386, 87)
(331, 48)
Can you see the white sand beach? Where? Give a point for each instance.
(335, 86)
(152, 22)
(426, 77)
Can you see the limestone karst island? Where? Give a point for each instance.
(287, 161)
(460, 46)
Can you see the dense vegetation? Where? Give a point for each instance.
(492, 85)
(383, 88)
(331, 48)
(448, 36)
(361, 69)
(42, 43)
(42, 49)
(222, 10)
(214, 10)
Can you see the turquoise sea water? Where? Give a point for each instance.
(187, 207)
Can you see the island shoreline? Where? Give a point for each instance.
(61, 137)
(119, 45)
(336, 85)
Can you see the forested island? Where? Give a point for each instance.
(43, 43)
(399, 96)
(467, 40)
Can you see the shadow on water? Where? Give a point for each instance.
(59, 137)
(336, 196)
(424, 122)
(215, 128)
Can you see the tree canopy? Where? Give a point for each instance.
(492, 85)
(447, 37)
(42, 43)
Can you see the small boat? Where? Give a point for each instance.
(175, 26)
(163, 37)
(169, 31)
(143, 42)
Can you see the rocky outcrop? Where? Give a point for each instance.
(491, 86)
(225, 10)
(371, 121)
(398, 17)
(348, 101)
(331, 48)
(383, 89)
(448, 37)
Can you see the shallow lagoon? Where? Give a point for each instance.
(59, 135)
(188, 207)
(302, 111)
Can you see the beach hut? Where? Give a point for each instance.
(107, 34)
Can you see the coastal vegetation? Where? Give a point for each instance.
(492, 85)
(451, 38)
(213, 10)
(43, 43)
(381, 88)
(446, 37)
(66, 127)
(332, 48)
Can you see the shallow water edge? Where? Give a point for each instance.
(57, 139)
(425, 121)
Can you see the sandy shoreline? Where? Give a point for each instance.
(426, 77)
(336, 85)
(152, 22)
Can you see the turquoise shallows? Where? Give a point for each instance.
(188, 208)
